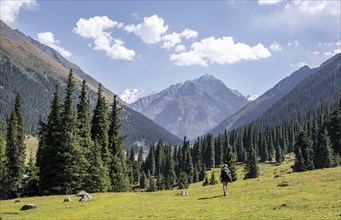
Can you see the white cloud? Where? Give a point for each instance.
(221, 50)
(316, 52)
(150, 31)
(47, 38)
(170, 40)
(189, 33)
(316, 7)
(268, 2)
(299, 65)
(9, 9)
(96, 28)
(275, 47)
(180, 48)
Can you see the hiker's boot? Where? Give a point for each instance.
(224, 193)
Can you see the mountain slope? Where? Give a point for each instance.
(191, 108)
(32, 69)
(282, 102)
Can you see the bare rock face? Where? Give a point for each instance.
(29, 206)
(67, 199)
(81, 193)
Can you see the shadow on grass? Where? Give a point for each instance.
(212, 197)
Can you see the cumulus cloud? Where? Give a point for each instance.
(47, 38)
(150, 31)
(316, 7)
(299, 64)
(96, 28)
(180, 48)
(170, 40)
(275, 47)
(189, 33)
(9, 9)
(268, 2)
(221, 50)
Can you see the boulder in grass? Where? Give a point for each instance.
(67, 199)
(81, 193)
(85, 198)
(29, 206)
(17, 200)
(182, 193)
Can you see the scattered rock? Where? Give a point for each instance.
(280, 206)
(283, 183)
(182, 193)
(29, 206)
(17, 200)
(276, 176)
(67, 199)
(86, 197)
(81, 193)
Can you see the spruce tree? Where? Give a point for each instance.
(279, 154)
(48, 156)
(231, 161)
(325, 150)
(334, 129)
(118, 168)
(251, 169)
(143, 180)
(3, 162)
(169, 171)
(100, 126)
(84, 121)
(150, 161)
(151, 184)
(73, 165)
(304, 143)
(15, 150)
(299, 165)
(31, 187)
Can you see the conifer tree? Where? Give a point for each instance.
(183, 181)
(118, 168)
(100, 126)
(202, 173)
(31, 187)
(251, 168)
(210, 151)
(279, 154)
(3, 162)
(299, 165)
(98, 180)
(195, 174)
(213, 179)
(143, 180)
(150, 161)
(334, 129)
(325, 158)
(48, 156)
(73, 165)
(241, 153)
(84, 122)
(169, 171)
(231, 161)
(140, 159)
(304, 143)
(15, 150)
(151, 184)
(159, 158)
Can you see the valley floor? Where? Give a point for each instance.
(309, 195)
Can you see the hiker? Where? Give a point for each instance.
(225, 177)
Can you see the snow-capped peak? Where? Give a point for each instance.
(131, 95)
(252, 97)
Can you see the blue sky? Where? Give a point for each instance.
(249, 45)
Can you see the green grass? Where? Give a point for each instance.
(309, 195)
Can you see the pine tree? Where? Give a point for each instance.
(279, 154)
(31, 187)
(325, 150)
(143, 180)
(210, 151)
(334, 129)
(98, 180)
(299, 165)
(231, 161)
(169, 171)
(304, 143)
(73, 165)
(241, 153)
(3, 162)
(183, 181)
(196, 174)
(84, 122)
(100, 126)
(251, 168)
(152, 184)
(15, 150)
(213, 179)
(140, 158)
(48, 156)
(118, 168)
(202, 173)
(150, 161)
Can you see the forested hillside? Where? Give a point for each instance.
(33, 69)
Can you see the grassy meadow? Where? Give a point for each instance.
(309, 195)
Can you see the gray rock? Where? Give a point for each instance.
(182, 193)
(29, 206)
(81, 193)
(17, 200)
(86, 197)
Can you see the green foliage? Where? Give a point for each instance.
(143, 180)
(15, 150)
(3, 162)
(213, 180)
(151, 184)
(251, 169)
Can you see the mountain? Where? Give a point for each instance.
(281, 101)
(32, 69)
(131, 95)
(191, 108)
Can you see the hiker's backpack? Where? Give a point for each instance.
(226, 175)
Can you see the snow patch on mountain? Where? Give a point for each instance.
(131, 95)
(252, 97)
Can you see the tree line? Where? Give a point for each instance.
(79, 151)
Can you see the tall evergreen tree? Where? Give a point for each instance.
(210, 151)
(3, 162)
(303, 147)
(231, 161)
(48, 156)
(84, 121)
(169, 170)
(279, 154)
(118, 168)
(334, 130)
(325, 158)
(73, 165)
(251, 168)
(150, 161)
(100, 126)
(15, 150)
